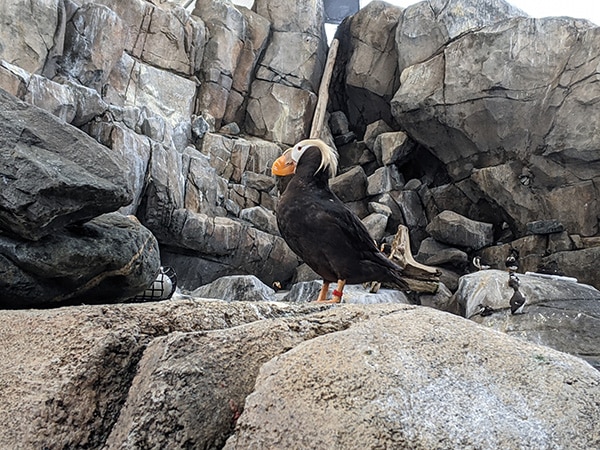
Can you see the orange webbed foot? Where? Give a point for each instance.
(337, 293)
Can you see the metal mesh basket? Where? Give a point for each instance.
(162, 288)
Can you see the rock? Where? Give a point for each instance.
(557, 313)
(258, 181)
(294, 59)
(201, 126)
(545, 227)
(13, 79)
(529, 113)
(392, 147)
(350, 186)
(293, 16)
(308, 291)
(442, 300)
(81, 361)
(174, 40)
(94, 42)
(261, 218)
(413, 185)
(236, 288)
(54, 175)
(31, 44)
(282, 98)
(164, 192)
(396, 218)
(368, 76)
(384, 179)
(108, 259)
(344, 139)
(373, 130)
(424, 28)
(269, 102)
(433, 253)
(261, 156)
(231, 129)
(355, 153)
(581, 264)
(57, 99)
(531, 249)
(216, 369)
(376, 223)
(560, 242)
(338, 123)
(379, 208)
(88, 104)
(453, 229)
(202, 248)
(349, 389)
(256, 39)
(172, 96)
(413, 215)
(304, 291)
(205, 191)
(226, 36)
(137, 152)
(227, 155)
(450, 196)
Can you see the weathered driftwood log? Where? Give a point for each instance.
(419, 277)
(319, 116)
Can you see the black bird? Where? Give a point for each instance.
(513, 281)
(512, 260)
(516, 302)
(320, 229)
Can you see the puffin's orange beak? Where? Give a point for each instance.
(284, 165)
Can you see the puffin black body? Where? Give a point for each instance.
(319, 228)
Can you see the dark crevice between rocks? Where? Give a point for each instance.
(421, 164)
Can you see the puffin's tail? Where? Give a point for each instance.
(395, 273)
(398, 282)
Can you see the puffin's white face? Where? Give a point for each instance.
(297, 151)
(286, 163)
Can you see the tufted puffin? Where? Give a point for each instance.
(319, 228)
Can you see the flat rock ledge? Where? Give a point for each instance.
(204, 373)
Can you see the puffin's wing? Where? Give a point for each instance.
(345, 228)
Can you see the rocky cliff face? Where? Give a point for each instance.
(139, 133)
(442, 106)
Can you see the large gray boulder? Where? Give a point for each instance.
(110, 258)
(53, 174)
(367, 76)
(490, 107)
(226, 35)
(427, 26)
(66, 372)
(558, 313)
(256, 39)
(31, 39)
(218, 370)
(415, 378)
(282, 97)
(452, 228)
(173, 39)
(236, 288)
(203, 248)
(172, 96)
(94, 43)
(581, 264)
